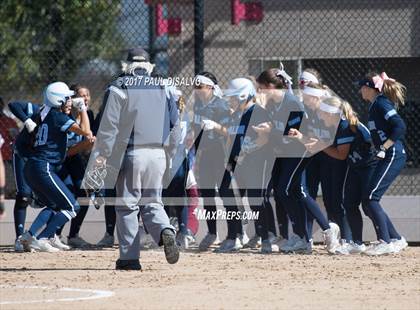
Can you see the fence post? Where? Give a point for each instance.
(198, 36)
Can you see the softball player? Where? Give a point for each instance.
(23, 111)
(387, 129)
(279, 104)
(309, 75)
(24, 196)
(210, 116)
(291, 185)
(74, 167)
(361, 164)
(246, 165)
(47, 150)
(179, 173)
(332, 163)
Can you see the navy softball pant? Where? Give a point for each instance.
(386, 171)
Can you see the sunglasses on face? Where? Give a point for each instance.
(303, 82)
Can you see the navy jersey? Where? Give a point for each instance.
(361, 151)
(51, 138)
(384, 122)
(344, 134)
(288, 114)
(216, 110)
(24, 110)
(241, 133)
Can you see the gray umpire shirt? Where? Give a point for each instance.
(136, 113)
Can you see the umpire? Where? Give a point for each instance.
(139, 127)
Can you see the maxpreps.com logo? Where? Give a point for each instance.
(226, 215)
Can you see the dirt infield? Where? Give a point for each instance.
(87, 280)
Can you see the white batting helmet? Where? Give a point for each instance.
(56, 93)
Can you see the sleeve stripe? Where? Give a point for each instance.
(118, 91)
(390, 113)
(30, 109)
(67, 125)
(345, 140)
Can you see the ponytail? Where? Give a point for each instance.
(350, 115)
(346, 109)
(394, 91)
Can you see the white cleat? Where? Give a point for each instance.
(253, 243)
(207, 241)
(18, 245)
(355, 248)
(381, 248)
(244, 238)
(229, 245)
(332, 237)
(56, 242)
(399, 244)
(43, 245)
(106, 241)
(266, 247)
(77, 242)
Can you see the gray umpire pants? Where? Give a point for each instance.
(139, 188)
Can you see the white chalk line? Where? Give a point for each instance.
(95, 294)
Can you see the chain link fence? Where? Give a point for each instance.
(84, 42)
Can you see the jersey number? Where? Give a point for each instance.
(42, 135)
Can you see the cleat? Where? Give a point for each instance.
(244, 238)
(18, 246)
(266, 247)
(301, 246)
(332, 237)
(26, 240)
(229, 245)
(130, 264)
(253, 243)
(43, 245)
(285, 247)
(106, 241)
(169, 245)
(56, 242)
(399, 244)
(207, 241)
(77, 242)
(381, 248)
(182, 241)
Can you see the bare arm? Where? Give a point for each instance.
(85, 145)
(339, 152)
(79, 131)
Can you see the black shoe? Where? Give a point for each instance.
(130, 264)
(169, 245)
